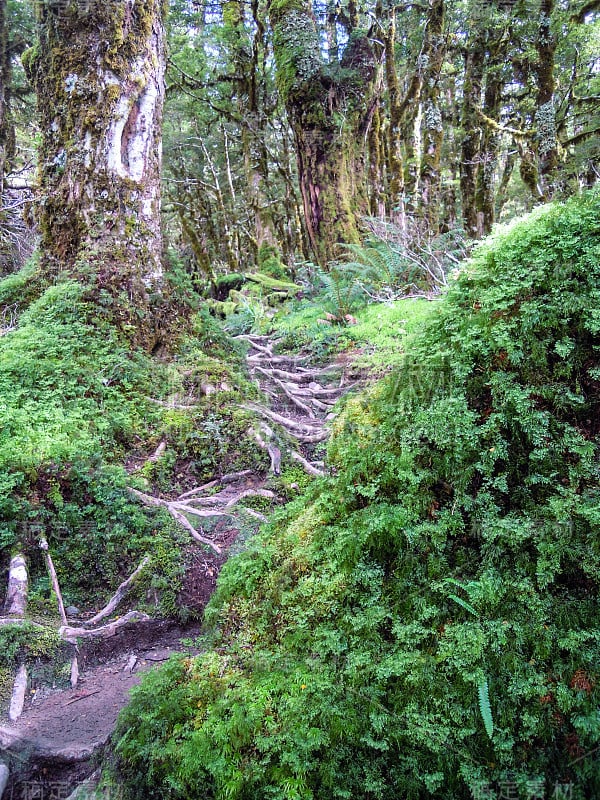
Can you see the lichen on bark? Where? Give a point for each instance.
(98, 71)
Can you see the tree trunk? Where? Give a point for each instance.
(7, 128)
(486, 188)
(471, 125)
(433, 134)
(3, 99)
(395, 164)
(98, 72)
(545, 115)
(330, 108)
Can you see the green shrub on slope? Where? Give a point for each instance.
(426, 623)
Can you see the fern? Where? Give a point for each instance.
(464, 604)
(485, 707)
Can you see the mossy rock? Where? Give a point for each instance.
(225, 284)
(273, 284)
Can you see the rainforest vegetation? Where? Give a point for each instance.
(344, 259)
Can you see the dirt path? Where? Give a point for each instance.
(54, 740)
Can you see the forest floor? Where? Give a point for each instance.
(54, 743)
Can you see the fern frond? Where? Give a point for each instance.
(485, 707)
(464, 604)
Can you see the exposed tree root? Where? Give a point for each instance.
(270, 359)
(289, 393)
(255, 514)
(250, 493)
(299, 377)
(71, 634)
(53, 579)
(175, 510)
(266, 349)
(308, 467)
(118, 595)
(307, 428)
(231, 477)
(41, 750)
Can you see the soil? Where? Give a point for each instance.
(57, 740)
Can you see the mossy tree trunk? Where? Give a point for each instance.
(433, 134)
(98, 72)
(545, 115)
(472, 132)
(330, 106)
(4, 100)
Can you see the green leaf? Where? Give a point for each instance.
(485, 708)
(464, 604)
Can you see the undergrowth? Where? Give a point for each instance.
(424, 623)
(81, 413)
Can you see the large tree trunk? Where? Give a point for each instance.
(433, 134)
(545, 115)
(330, 108)
(6, 130)
(98, 73)
(471, 125)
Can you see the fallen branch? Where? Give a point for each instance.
(82, 697)
(308, 467)
(118, 595)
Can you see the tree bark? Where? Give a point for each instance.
(4, 66)
(98, 72)
(433, 134)
(485, 199)
(471, 125)
(545, 115)
(330, 108)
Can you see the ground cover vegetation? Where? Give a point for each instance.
(425, 621)
(82, 414)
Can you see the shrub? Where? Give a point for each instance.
(425, 623)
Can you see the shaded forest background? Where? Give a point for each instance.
(292, 126)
